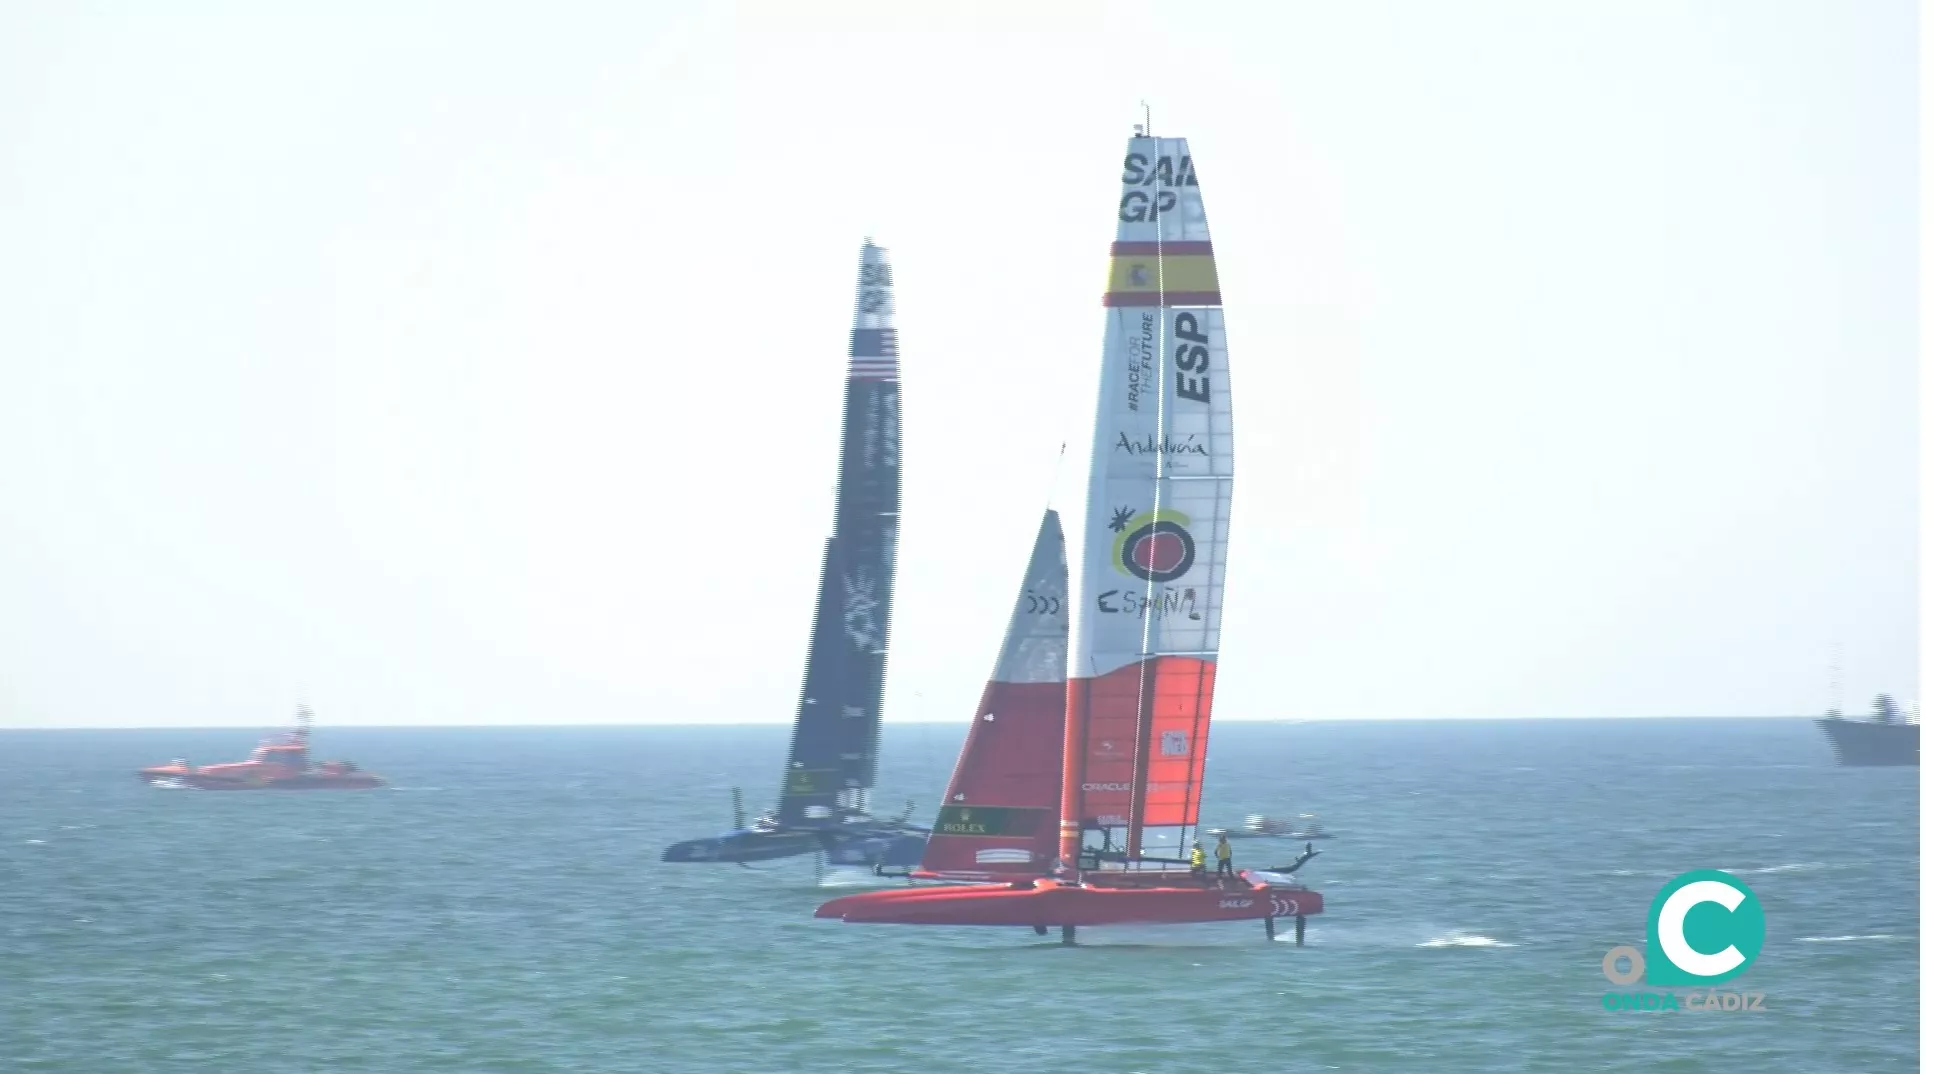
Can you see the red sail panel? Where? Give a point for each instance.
(1002, 808)
(1178, 691)
(1178, 741)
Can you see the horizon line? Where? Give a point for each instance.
(885, 723)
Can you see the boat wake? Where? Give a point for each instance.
(1790, 867)
(1136, 938)
(1411, 936)
(1849, 939)
(843, 877)
(1729, 767)
(1465, 939)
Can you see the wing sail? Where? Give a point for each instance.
(1154, 542)
(835, 744)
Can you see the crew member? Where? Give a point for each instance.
(1197, 869)
(1223, 853)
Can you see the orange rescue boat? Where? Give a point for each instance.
(280, 764)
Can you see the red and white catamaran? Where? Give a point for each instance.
(1096, 721)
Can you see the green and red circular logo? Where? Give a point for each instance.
(1155, 546)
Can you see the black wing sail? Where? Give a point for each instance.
(835, 740)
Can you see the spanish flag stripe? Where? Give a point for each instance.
(1189, 272)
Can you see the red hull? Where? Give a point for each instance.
(1051, 903)
(276, 765)
(355, 781)
(294, 783)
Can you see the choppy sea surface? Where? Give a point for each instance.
(503, 909)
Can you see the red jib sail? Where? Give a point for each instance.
(1153, 545)
(999, 814)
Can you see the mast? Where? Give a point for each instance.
(835, 745)
(1148, 596)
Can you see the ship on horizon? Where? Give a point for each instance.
(280, 764)
(1887, 737)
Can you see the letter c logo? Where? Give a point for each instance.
(1672, 928)
(1706, 926)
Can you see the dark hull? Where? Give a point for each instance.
(867, 846)
(1865, 743)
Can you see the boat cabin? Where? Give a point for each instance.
(290, 755)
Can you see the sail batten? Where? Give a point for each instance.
(1147, 609)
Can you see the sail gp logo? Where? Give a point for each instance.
(1151, 185)
(1705, 927)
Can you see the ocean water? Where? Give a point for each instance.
(503, 909)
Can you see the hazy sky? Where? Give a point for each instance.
(481, 364)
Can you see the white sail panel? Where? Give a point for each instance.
(1154, 539)
(1036, 647)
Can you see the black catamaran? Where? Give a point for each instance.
(823, 805)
